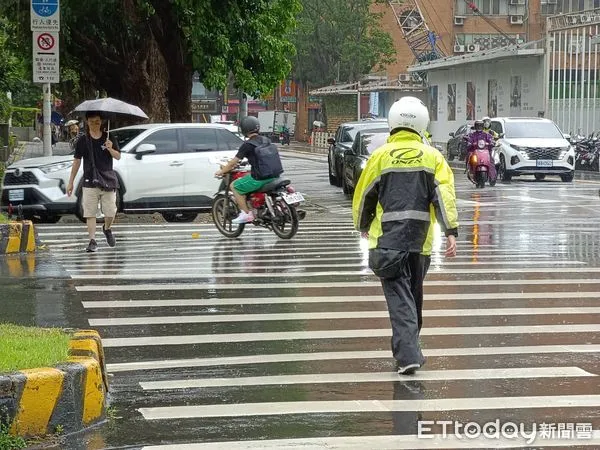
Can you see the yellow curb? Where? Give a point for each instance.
(71, 395)
(37, 402)
(17, 237)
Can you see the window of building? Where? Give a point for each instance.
(487, 7)
(488, 41)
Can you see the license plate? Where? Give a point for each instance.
(544, 163)
(16, 195)
(290, 199)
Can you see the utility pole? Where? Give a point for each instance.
(243, 109)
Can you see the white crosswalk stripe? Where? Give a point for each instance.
(295, 335)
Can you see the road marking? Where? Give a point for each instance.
(356, 406)
(392, 442)
(379, 377)
(287, 285)
(383, 314)
(301, 262)
(346, 355)
(291, 271)
(92, 304)
(343, 334)
(109, 258)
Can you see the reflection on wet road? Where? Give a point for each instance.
(231, 342)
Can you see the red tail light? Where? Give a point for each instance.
(290, 189)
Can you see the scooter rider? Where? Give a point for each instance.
(475, 136)
(487, 127)
(264, 162)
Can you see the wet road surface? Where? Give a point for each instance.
(221, 343)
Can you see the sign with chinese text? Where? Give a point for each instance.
(45, 15)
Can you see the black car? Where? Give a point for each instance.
(457, 146)
(343, 140)
(355, 159)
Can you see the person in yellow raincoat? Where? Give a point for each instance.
(404, 189)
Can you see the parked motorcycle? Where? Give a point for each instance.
(481, 168)
(275, 206)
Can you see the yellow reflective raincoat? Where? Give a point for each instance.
(405, 186)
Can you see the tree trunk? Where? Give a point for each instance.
(144, 81)
(174, 49)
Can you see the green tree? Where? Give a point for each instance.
(145, 51)
(339, 40)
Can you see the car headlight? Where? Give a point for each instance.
(56, 167)
(563, 152)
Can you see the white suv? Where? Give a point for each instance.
(163, 168)
(533, 146)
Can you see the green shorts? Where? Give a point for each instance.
(247, 184)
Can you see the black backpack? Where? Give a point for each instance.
(268, 164)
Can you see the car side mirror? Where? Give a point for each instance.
(567, 137)
(331, 141)
(451, 134)
(144, 149)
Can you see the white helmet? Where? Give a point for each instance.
(409, 112)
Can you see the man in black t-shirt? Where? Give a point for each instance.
(241, 187)
(96, 149)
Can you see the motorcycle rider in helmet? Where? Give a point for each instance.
(404, 188)
(249, 126)
(487, 127)
(477, 134)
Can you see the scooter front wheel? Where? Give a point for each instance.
(223, 211)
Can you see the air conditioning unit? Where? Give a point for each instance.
(516, 20)
(404, 77)
(472, 48)
(459, 20)
(459, 48)
(517, 2)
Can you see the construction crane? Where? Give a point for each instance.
(422, 41)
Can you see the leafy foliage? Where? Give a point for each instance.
(339, 40)
(145, 51)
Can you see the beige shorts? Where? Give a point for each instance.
(93, 196)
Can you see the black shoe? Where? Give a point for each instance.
(110, 239)
(92, 246)
(409, 369)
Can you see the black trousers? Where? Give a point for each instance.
(402, 275)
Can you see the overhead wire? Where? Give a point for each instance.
(490, 22)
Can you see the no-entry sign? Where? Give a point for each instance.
(45, 57)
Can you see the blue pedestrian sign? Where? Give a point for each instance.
(45, 15)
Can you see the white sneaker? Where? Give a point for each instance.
(244, 217)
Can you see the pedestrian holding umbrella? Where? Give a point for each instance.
(100, 182)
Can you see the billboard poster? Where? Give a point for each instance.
(433, 103)
(515, 95)
(471, 103)
(492, 98)
(451, 102)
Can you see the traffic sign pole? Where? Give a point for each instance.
(45, 25)
(47, 119)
